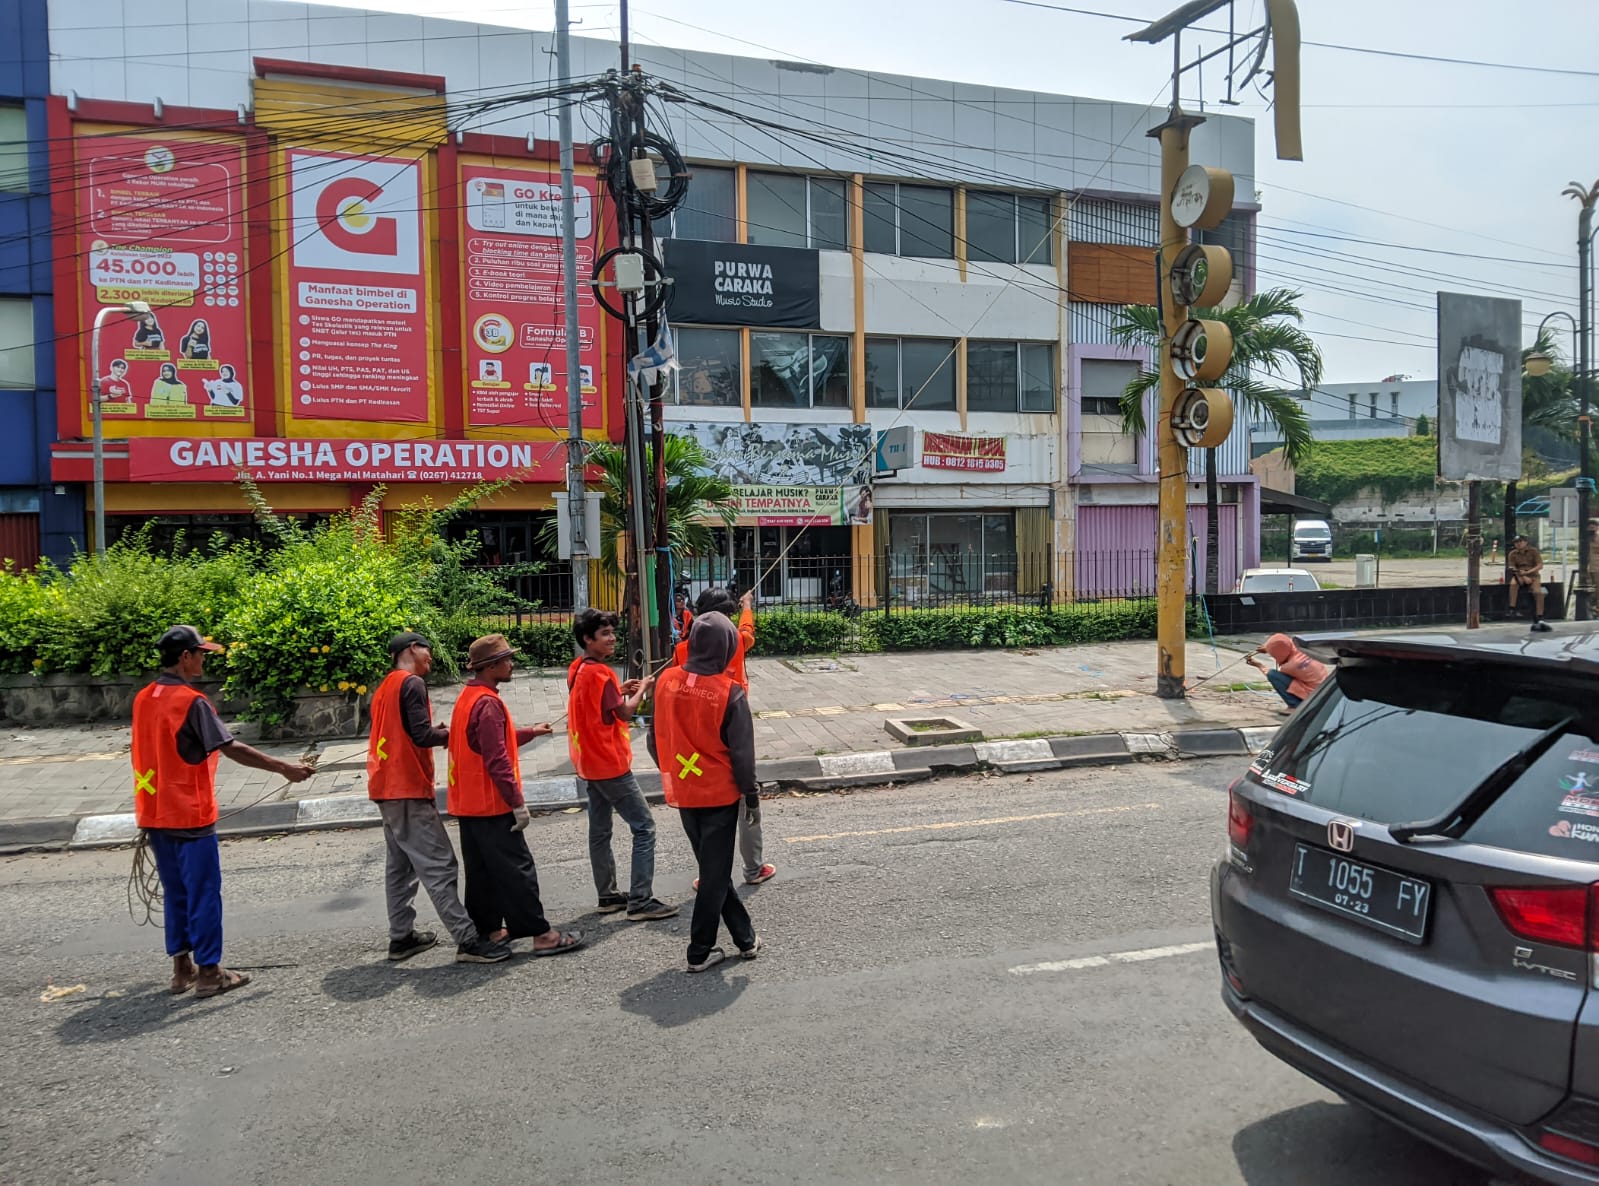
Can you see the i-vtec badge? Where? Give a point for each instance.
(1341, 834)
(1522, 959)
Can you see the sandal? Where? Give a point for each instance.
(568, 941)
(184, 974)
(753, 951)
(716, 956)
(218, 981)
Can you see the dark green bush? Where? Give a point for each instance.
(1011, 626)
(781, 633)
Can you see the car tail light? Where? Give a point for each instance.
(1569, 1148)
(1240, 820)
(1561, 915)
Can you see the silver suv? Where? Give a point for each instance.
(1408, 909)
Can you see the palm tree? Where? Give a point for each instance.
(692, 493)
(1267, 341)
(1549, 403)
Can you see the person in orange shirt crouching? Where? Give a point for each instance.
(702, 738)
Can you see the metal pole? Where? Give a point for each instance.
(575, 505)
(1584, 366)
(99, 430)
(1473, 556)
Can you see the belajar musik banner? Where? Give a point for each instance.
(805, 506)
(161, 222)
(786, 454)
(357, 333)
(947, 450)
(515, 318)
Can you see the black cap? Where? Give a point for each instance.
(179, 641)
(401, 643)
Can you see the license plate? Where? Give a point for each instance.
(1382, 899)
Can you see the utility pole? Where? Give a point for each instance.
(575, 501)
(1587, 197)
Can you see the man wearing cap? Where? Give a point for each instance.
(176, 739)
(502, 885)
(399, 771)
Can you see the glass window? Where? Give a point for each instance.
(1352, 409)
(777, 215)
(1035, 229)
(708, 375)
(879, 216)
(709, 210)
(830, 371)
(16, 343)
(1393, 404)
(991, 376)
(829, 214)
(882, 372)
(999, 534)
(927, 374)
(1104, 380)
(1371, 405)
(1038, 377)
(926, 222)
(13, 150)
(780, 370)
(907, 539)
(991, 227)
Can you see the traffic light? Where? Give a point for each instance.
(1200, 350)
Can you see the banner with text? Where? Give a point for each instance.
(160, 221)
(743, 284)
(515, 319)
(805, 506)
(947, 450)
(274, 459)
(357, 332)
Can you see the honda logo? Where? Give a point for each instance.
(1341, 834)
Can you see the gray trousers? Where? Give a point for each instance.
(420, 851)
(749, 840)
(621, 796)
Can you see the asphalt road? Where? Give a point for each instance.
(884, 1037)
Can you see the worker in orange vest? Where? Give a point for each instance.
(399, 778)
(715, 600)
(485, 796)
(702, 738)
(177, 736)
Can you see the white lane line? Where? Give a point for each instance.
(1115, 957)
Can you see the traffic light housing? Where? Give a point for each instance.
(1198, 276)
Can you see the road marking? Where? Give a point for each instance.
(1115, 957)
(974, 823)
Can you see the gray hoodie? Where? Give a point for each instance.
(712, 643)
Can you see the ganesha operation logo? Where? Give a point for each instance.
(356, 214)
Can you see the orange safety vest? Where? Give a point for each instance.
(735, 667)
(696, 769)
(598, 750)
(472, 791)
(167, 791)
(396, 767)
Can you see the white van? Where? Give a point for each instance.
(1312, 541)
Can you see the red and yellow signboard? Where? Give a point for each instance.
(160, 220)
(947, 450)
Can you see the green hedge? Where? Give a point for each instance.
(1017, 626)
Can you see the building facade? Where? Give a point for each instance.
(1389, 407)
(37, 518)
(858, 255)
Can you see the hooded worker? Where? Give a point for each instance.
(1297, 675)
(702, 738)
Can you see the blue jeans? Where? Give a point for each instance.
(191, 894)
(621, 796)
(1280, 681)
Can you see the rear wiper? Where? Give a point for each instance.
(1453, 822)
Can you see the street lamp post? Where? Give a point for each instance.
(133, 309)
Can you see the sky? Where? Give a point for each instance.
(1411, 167)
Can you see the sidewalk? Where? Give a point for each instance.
(805, 707)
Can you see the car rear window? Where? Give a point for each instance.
(1397, 742)
(1276, 583)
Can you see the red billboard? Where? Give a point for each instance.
(515, 324)
(160, 221)
(948, 450)
(357, 339)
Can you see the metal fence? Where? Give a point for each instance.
(855, 585)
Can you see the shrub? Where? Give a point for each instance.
(24, 606)
(780, 633)
(548, 644)
(1392, 466)
(1010, 626)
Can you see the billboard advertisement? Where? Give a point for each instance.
(357, 337)
(805, 506)
(161, 221)
(1479, 388)
(787, 454)
(948, 450)
(743, 284)
(515, 321)
(275, 459)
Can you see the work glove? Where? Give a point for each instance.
(752, 807)
(520, 818)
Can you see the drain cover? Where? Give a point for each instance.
(818, 665)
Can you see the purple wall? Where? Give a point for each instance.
(1116, 548)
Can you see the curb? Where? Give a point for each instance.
(832, 772)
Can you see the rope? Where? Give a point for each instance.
(144, 879)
